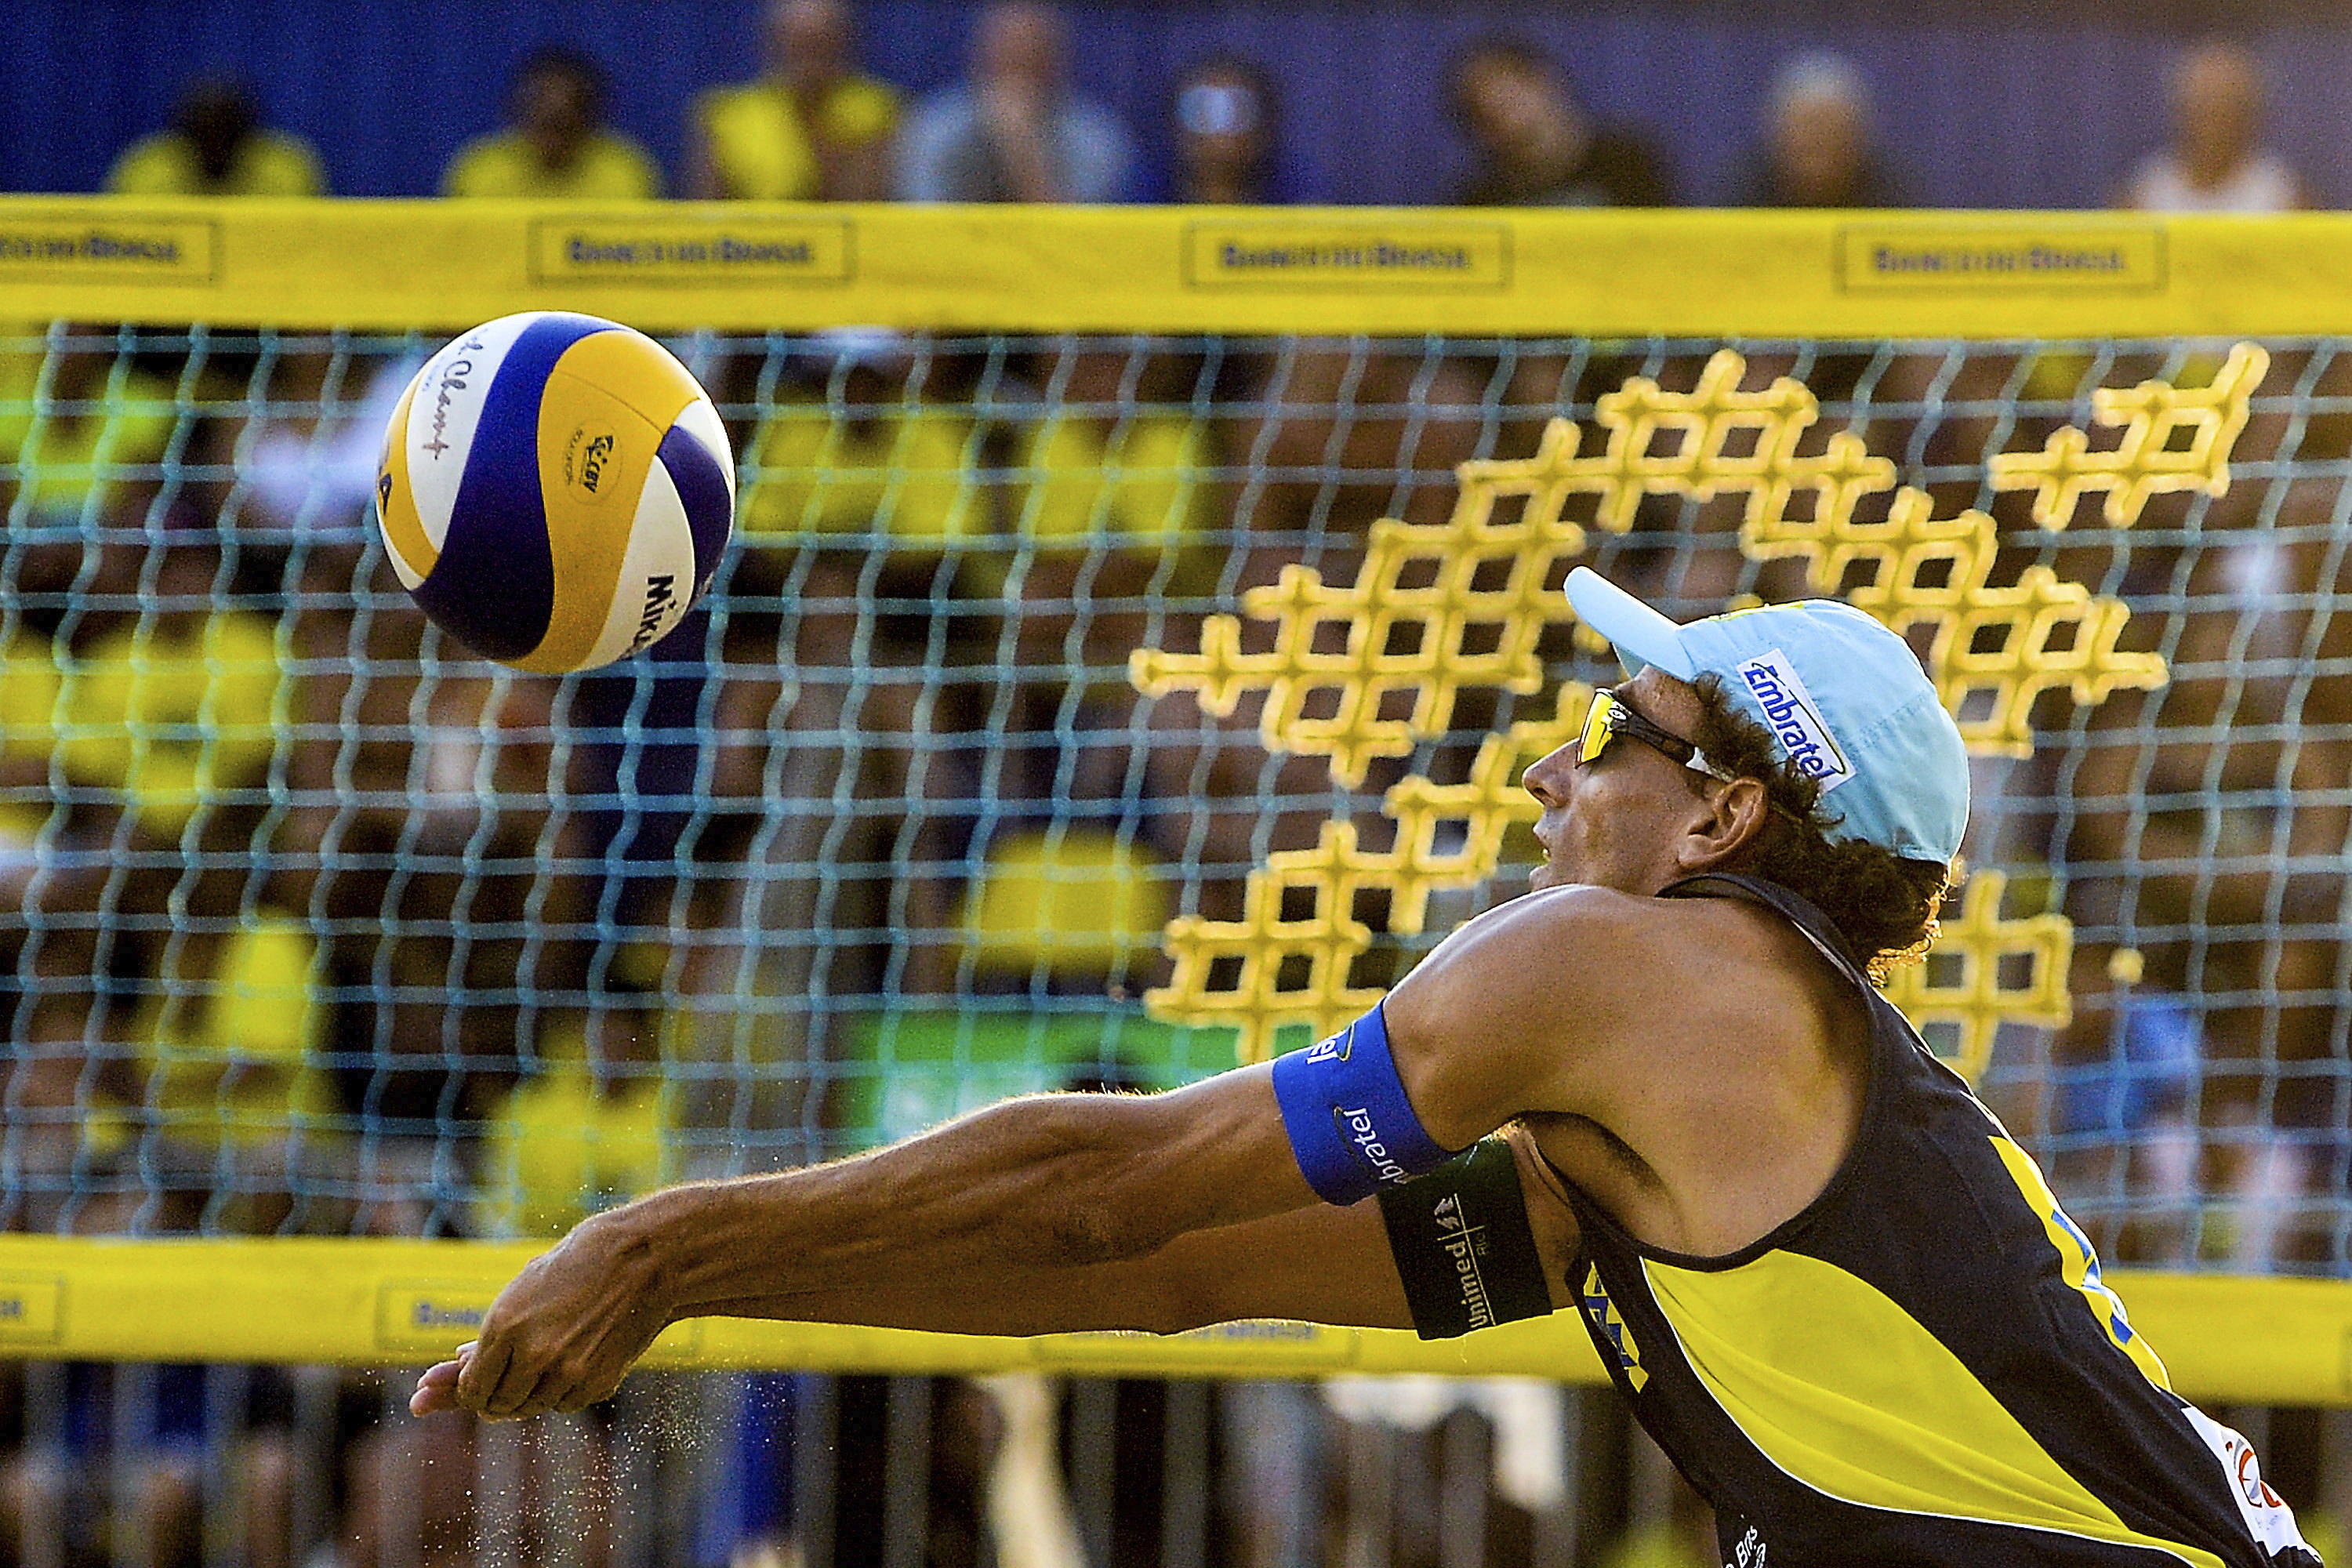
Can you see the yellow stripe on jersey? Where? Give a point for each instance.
(1850, 1396)
(2079, 1261)
(395, 503)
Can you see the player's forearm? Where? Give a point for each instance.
(1020, 1302)
(1318, 1263)
(1050, 1182)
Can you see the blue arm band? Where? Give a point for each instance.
(1350, 1125)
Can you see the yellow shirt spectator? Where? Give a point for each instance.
(1073, 900)
(608, 167)
(29, 686)
(758, 144)
(172, 711)
(231, 1054)
(565, 1146)
(904, 471)
(86, 426)
(267, 163)
(1140, 485)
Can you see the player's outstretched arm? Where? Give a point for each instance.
(1322, 1264)
(1318, 1263)
(1051, 1182)
(1055, 1181)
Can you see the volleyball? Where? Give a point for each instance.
(555, 490)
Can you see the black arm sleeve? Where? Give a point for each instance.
(1463, 1245)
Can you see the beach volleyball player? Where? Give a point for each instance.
(1659, 1092)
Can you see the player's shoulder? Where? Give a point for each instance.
(1589, 917)
(1581, 950)
(1616, 966)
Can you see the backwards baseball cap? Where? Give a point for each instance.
(1844, 698)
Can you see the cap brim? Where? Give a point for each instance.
(1640, 635)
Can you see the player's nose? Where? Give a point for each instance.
(1547, 778)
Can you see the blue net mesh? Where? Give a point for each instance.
(315, 922)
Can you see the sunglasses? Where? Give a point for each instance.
(1610, 717)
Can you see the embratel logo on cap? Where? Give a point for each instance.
(1795, 721)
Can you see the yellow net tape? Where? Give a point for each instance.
(1370, 669)
(681, 266)
(403, 1303)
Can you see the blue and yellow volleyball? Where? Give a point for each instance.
(556, 490)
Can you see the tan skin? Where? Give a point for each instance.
(1619, 1034)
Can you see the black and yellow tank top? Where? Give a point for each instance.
(1924, 1366)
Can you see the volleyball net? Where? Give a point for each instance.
(1137, 625)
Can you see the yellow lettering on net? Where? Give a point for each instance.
(2173, 440)
(1372, 668)
(1985, 971)
(1287, 960)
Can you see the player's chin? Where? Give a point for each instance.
(1547, 875)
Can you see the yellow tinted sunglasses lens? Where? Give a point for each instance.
(1599, 726)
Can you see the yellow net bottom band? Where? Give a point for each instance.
(397, 1303)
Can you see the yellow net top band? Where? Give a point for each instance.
(1682, 273)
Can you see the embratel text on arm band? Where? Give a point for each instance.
(1350, 1125)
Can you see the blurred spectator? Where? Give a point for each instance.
(228, 1023)
(1535, 144)
(864, 453)
(2196, 1102)
(176, 707)
(2216, 162)
(84, 431)
(557, 146)
(434, 813)
(587, 1128)
(218, 146)
(1016, 133)
(307, 452)
(1818, 150)
(29, 685)
(812, 130)
(1226, 118)
(413, 1498)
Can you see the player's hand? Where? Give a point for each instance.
(563, 1333)
(436, 1391)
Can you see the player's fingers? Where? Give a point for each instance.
(598, 1392)
(517, 1386)
(598, 1375)
(436, 1390)
(479, 1380)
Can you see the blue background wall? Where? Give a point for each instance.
(2000, 103)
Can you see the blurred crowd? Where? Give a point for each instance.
(312, 923)
(820, 123)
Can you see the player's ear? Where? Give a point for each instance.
(1730, 818)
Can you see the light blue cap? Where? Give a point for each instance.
(1845, 697)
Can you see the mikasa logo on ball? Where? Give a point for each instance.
(661, 608)
(589, 457)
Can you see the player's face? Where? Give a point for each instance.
(1612, 820)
